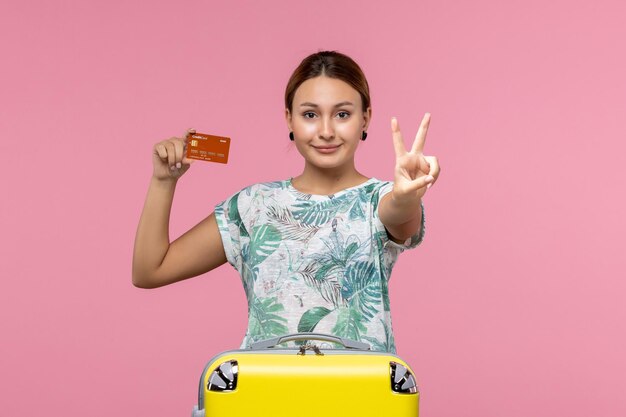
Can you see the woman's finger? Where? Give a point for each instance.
(419, 182)
(420, 138)
(424, 164)
(171, 154)
(188, 133)
(178, 149)
(160, 149)
(434, 168)
(398, 142)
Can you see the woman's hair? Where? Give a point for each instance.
(331, 64)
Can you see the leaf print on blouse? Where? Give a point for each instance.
(264, 241)
(266, 185)
(302, 196)
(309, 320)
(249, 274)
(325, 269)
(327, 286)
(349, 324)
(357, 212)
(374, 199)
(263, 322)
(234, 217)
(339, 252)
(360, 291)
(291, 228)
(388, 345)
(319, 213)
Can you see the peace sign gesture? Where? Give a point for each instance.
(414, 172)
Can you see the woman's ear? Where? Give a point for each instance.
(288, 119)
(367, 117)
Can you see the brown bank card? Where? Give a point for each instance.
(208, 147)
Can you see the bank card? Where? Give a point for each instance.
(208, 147)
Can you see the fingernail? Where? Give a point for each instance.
(172, 168)
(428, 186)
(178, 165)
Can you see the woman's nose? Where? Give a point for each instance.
(326, 129)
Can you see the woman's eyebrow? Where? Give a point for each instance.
(343, 103)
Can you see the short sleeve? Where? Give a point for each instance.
(231, 228)
(412, 241)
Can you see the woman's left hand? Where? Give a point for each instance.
(415, 172)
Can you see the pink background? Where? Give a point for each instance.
(514, 304)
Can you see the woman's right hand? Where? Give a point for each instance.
(169, 157)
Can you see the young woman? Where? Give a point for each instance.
(315, 252)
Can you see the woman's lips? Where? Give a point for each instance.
(327, 149)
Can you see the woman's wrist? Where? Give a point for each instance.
(164, 182)
(405, 202)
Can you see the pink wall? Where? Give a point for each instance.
(514, 304)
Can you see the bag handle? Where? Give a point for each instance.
(347, 343)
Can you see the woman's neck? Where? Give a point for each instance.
(315, 180)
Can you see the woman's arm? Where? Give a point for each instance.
(156, 262)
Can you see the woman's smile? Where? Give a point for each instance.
(327, 148)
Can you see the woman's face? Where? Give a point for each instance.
(327, 121)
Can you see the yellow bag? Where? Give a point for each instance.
(281, 382)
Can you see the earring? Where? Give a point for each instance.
(291, 135)
(364, 135)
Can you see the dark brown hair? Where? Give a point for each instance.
(331, 64)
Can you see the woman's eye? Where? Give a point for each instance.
(342, 115)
